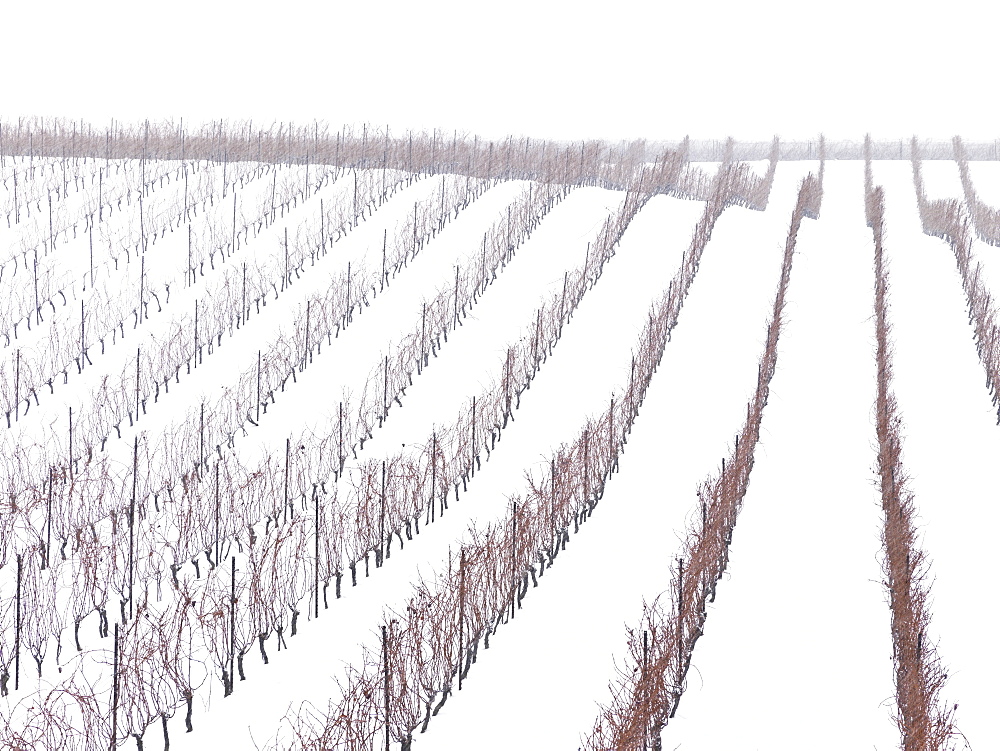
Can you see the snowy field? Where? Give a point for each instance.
(254, 413)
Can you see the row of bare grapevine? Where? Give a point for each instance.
(79, 462)
(114, 561)
(925, 724)
(583, 163)
(101, 567)
(431, 646)
(421, 479)
(649, 686)
(31, 368)
(32, 185)
(155, 219)
(985, 218)
(277, 615)
(98, 553)
(951, 221)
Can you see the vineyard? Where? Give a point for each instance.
(352, 439)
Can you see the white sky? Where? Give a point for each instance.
(564, 70)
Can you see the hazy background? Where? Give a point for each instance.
(548, 69)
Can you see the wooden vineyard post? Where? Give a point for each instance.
(131, 526)
(258, 386)
(552, 524)
(652, 352)
(562, 304)
(288, 457)
(385, 393)
(114, 695)
(510, 238)
(513, 560)
(48, 523)
(196, 349)
(484, 282)
(17, 629)
(472, 451)
(645, 668)
(306, 355)
(423, 339)
(316, 571)
(340, 437)
(38, 308)
(611, 434)
(631, 390)
(385, 240)
(704, 514)
(140, 314)
(138, 352)
(434, 453)
(201, 444)
(538, 334)
(508, 386)
(680, 633)
(243, 308)
(217, 511)
(456, 299)
(52, 236)
(232, 617)
(349, 309)
(385, 681)
(414, 251)
(381, 524)
(461, 615)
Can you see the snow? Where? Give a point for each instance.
(797, 646)
(352, 621)
(950, 445)
(552, 404)
(562, 645)
(798, 639)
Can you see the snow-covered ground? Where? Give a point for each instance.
(797, 650)
(562, 645)
(951, 441)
